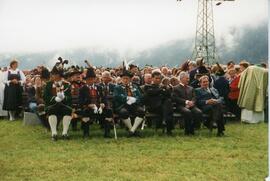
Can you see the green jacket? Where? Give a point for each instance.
(49, 97)
(120, 96)
(253, 86)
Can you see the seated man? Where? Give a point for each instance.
(184, 97)
(90, 100)
(210, 103)
(127, 103)
(157, 100)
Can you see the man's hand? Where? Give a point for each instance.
(191, 103)
(91, 106)
(211, 101)
(102, 105)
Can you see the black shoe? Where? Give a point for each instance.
(137, 134)
(86, 136)
(220, 134)
(65, 137)
(54, 138)
(169, 133)
(130, 134)
(107, 136)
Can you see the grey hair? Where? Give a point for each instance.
(183, 74)
(106, 73)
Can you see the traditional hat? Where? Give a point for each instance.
(73, 70)
(220, 71)
(58, 68)
(126, 72)
(45, 73)
(90, 73)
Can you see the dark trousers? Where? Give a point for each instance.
(215, 113)
(234, 108)
(165, 110)
(192, 117)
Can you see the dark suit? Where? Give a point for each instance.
(157, 99)
(214, 110)
(192, 115)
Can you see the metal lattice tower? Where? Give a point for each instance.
(205, 46)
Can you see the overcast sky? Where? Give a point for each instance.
(45, 25)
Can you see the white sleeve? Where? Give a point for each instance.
(22, 77)
(5, 78)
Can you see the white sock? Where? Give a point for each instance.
(127, 122)
(66, 122)
(137, 122)
(11, 115)
(53, 124)
(85, 119)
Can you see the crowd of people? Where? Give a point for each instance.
(71, 94)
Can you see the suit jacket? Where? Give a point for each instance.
(154, 95)
(202, 95)
(181, 94)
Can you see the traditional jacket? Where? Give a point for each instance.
(107, 94)
(120, 95)
(50, 94)
(253, 86)
(90, 94)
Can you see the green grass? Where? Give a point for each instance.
(27, 153)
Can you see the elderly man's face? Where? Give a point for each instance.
(147, 79)
(185, 80)
(204, 83)
(164, 70)
(106, 79)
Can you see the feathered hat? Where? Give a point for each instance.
(58, 68)
(125, 71)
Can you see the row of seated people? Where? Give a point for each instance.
(85, 102)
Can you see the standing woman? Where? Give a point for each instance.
(3, 113)
(13, 79)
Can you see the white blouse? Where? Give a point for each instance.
(5, 76)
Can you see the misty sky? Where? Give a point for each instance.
(123, 25)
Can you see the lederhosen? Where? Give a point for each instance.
(13, 93)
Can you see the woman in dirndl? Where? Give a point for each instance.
(13, 79)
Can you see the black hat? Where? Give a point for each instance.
(45, 73)
(220, 71)
(202, 70)
(90, 73)
(73, 70)
(58, 68)
(131, 66)
(126, 72)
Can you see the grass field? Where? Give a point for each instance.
(27, 153)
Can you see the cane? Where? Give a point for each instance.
(143, 124)
(114, 129)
